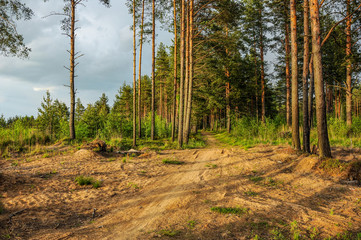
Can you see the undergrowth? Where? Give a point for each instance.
(82, 180)
(248, 132)
(229, 210)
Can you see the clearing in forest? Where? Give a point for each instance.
(218, 192)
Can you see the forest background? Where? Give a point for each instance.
(232, 89)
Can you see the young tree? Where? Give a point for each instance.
(69, 28)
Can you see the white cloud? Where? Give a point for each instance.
(42, 89)
(104, 38)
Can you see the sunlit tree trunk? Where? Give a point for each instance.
(186, 80)
(263, 87)
(134, 80)
(140, 74)
(228, 90)
(181, 91)
(152, 132)
(310, 94)
(72, 71)
(295, 112)
(190, 81)
(175, 72)
(306, 57)
(288, 76)
(323, 141)
(348, 67)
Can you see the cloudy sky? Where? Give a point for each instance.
(104, 38)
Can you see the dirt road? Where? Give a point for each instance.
(277, 191)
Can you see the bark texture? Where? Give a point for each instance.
(295, 112)
(306, 57)
(323, 141)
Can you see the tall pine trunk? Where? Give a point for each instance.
(228, 90)
(175, 72)
(152, 132)
(140, 75)
(134, 80)
(295, 112)
(306, 57)
(311, 92)
(186, 80)
(181, 91)
(263, 87)
(323, 141)
(72, 71)
(348, 67)
(287, 59)
(190, 76)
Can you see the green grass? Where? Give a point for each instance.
(250, 193)
(256, 179)
(211, 166)
(191, 224)
(133, 185)
(332, 164)
(168, 232)
(229, 210)
(82, 181)
(172, 162)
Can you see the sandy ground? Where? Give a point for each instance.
(280, 193)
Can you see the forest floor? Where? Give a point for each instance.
(268, 192)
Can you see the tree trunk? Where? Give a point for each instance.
(288, 77)
(190, 76)
(181, 91)
(311, 91)
(161, 98)
(134, 80)
(186, 81)
(348, 67)
(175, 72)
(72, 71)
(140, 75)
(153, 72)
(295, 121)
(306, 57)
(256, 79)
(263, 87)
(228, 109)
(323, 141)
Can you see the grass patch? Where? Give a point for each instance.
(229, 210)
(172, 162)
(82, 181)
(256, 179)
(168, 232)
(133, 185)
(211, 166)
(270, 182)
(191, 224)
(333, 165)
(250, 193)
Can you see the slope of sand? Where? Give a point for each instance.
(142, 198)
